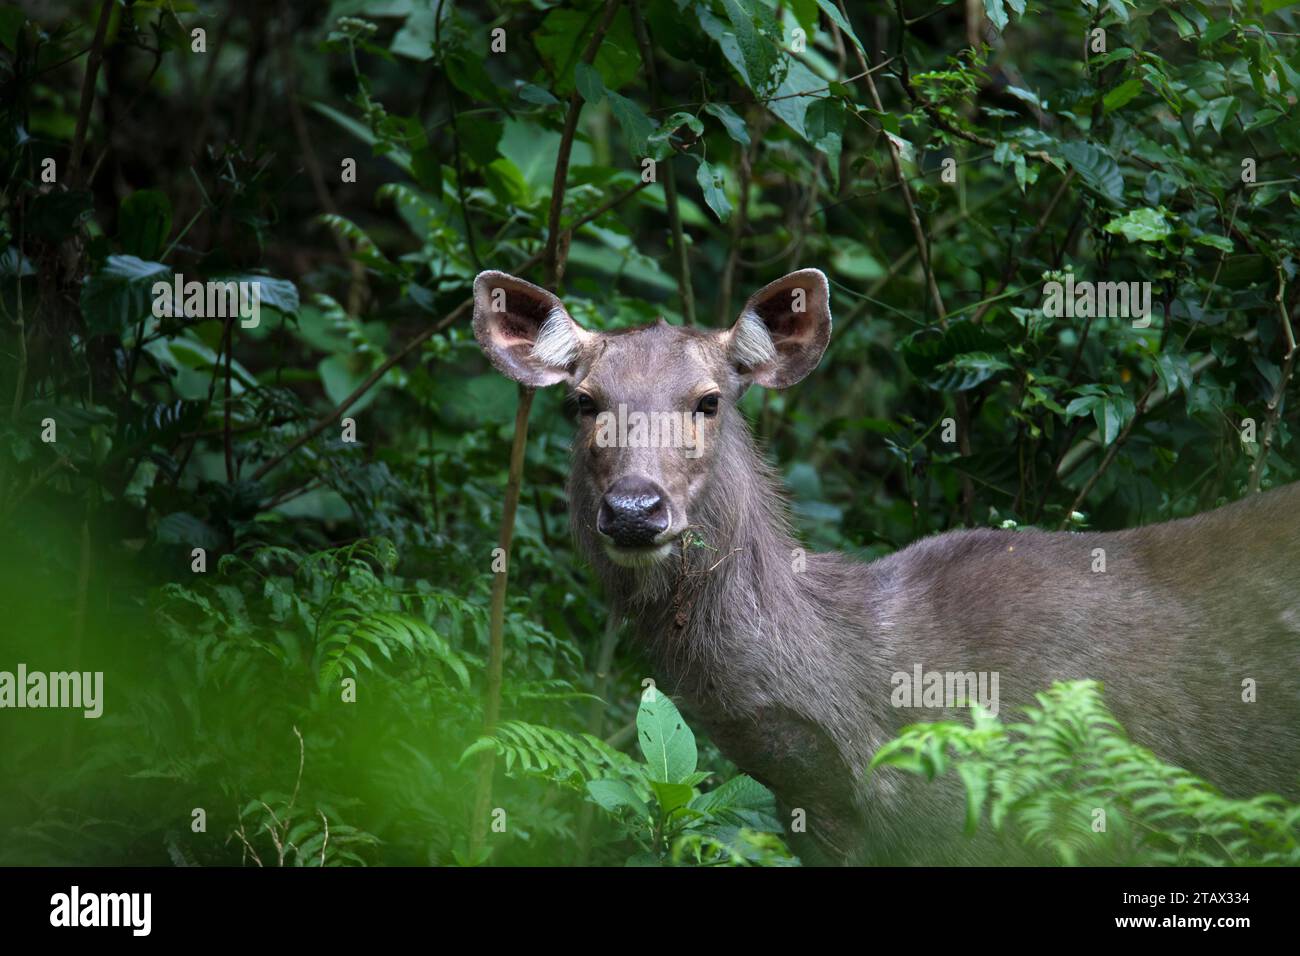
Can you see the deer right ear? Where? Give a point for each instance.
(526, 331)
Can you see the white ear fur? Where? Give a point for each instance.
(559, 342)
(750, 345)
(783, 330)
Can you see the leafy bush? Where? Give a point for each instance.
(343, 465)
(659, 807)
(1067, 781)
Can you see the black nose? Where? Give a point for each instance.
(633, 513)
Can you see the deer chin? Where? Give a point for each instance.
(639, 557)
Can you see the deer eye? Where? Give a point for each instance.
(708, 405)
(586, 404)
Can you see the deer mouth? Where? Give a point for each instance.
(643, 556)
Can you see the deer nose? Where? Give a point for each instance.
(633, 513)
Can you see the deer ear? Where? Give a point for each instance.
(783, 329)
(525, 330)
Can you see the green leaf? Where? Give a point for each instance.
(833, 14)
(11, 21)
(731, 121)
(967, 371)
(928, 349)
(1121, 95)
(1181, 24)
(532, 93)
(120, 294)
(1141, 225)
(634, 123)
(666, 742)
(1264, 117)
(760, 54)
(1096, 168)
(824, 127)
(1111, 415)
(616, 795)
(711, 182)
(1221, 111)
(1174, 371)
(563, 36)
(145, 222)
(1222, 243)
(671, 795)
(590, 86)
(278, 294)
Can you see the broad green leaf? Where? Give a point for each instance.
(616, 795)
(1096, 168)
(1141, 225)
(666, 742)
(590, 86)
(833, 14)
(671, 795)
(120, 294)
(711, 181)
(1222, 243)
(760, 53)
(1121, 95)
(634, 123)
(967, 371)
(563, 36)
(731, 122)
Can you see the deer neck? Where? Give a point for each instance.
(734, 598)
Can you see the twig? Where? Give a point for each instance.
(1279, 392)
(923, 254)
(555, 257)
(1111, 452)
(556, 252)
(88, 92)
(680, 257)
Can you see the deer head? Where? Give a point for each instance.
(656, 405)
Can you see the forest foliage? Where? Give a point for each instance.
(342, 465)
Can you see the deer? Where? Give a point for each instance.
(789, 659)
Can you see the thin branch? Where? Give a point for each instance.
(555, 256)
(1279, 392)
(88, 93)
(682, 261)
(1142, 404)
(556, 252)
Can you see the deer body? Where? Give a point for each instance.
(788, 661)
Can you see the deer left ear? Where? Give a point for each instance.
(783, 329)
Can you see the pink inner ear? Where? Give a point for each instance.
(520, 323)
(509, 331)
(785, 325)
